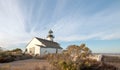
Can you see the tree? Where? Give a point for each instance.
(17, 50)
(80, 52)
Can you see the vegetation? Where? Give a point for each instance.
(73, 58)
(17, 51)
(13, 55)
(76, 58)
(30, 64)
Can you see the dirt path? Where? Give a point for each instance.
(30, 64)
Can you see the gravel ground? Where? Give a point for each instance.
(30, 64)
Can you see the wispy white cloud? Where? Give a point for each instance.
(74, 27)
(59, 8)
(12, 23)
(79, 37)
(112, 36)
(19, 22)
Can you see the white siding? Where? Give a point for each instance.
(50, 39)
(44, 51)
(37, 50)
(47, 50)
(59, 50)
(34, 44)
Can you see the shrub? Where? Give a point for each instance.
(65, 61)
(7, 57)
(41, 57)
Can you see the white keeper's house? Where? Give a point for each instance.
(39, 46)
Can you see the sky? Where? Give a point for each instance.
(93, 22)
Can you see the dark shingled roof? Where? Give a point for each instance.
(49, 44)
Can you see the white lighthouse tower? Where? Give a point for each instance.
(50, 36)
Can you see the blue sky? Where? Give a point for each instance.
(93, 22)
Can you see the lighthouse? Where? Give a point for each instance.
(50, 36)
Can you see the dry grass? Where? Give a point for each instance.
(114, 64)
(30, 64)
(112, 60)
(40, 64)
